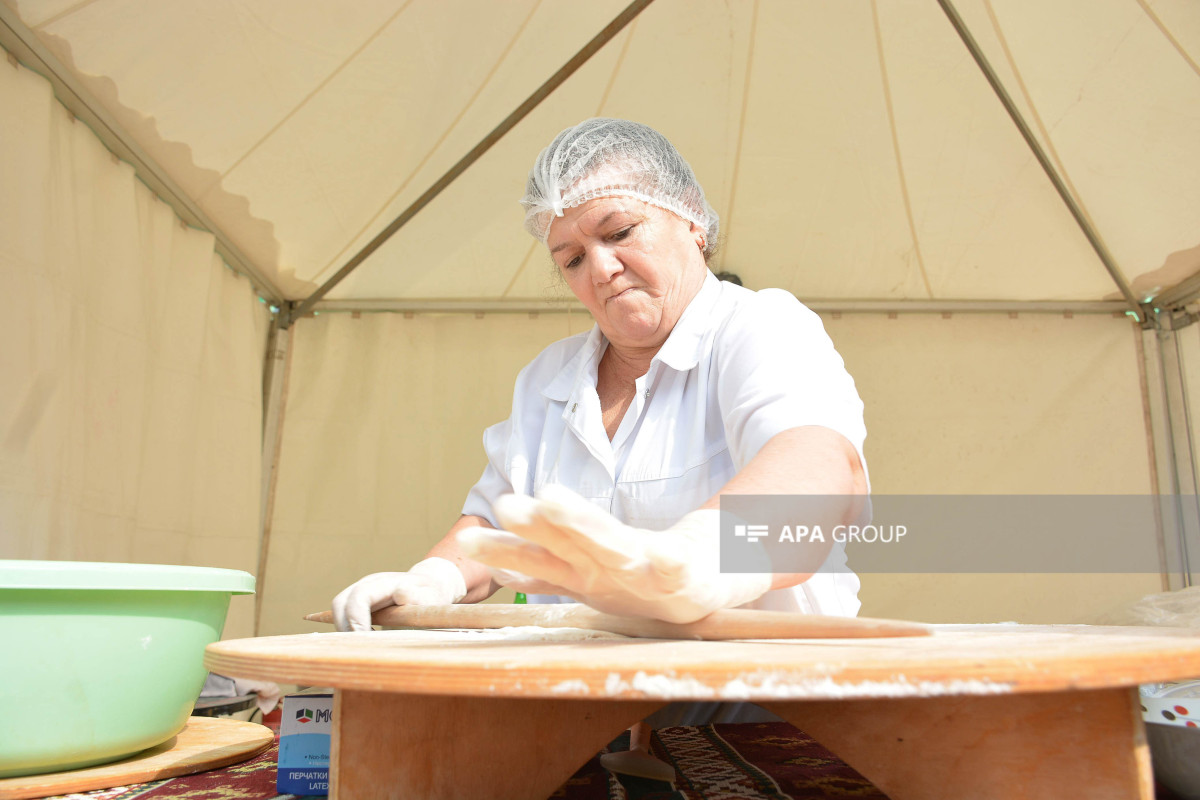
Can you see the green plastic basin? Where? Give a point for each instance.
(99, 661)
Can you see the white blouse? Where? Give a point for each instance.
(738, 368)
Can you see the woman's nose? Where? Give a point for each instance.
(605, 265)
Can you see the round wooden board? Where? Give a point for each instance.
(205, 743)
(533, 662)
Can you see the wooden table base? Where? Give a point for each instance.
(406, 745)
(1045, 745)
(1042, 746)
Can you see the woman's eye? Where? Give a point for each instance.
(621, 234)
(574, 262)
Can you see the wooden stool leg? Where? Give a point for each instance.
(427, 746)
(1043, 745)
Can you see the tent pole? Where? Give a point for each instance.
(531, 102)
(1177, 296)
(1039, 153)
(1181, 508)
(276, 372)
(1149, 373)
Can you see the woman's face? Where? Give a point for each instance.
(634, 266)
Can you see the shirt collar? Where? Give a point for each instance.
(681, 350)
(563, 384)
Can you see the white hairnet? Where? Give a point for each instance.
(613, 157)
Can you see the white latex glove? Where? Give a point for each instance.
(434, 581)
(561, 543)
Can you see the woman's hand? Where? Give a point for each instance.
(434, 581)
(562, 543)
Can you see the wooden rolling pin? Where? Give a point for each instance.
(731, 623)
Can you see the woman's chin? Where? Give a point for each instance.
(640, 333)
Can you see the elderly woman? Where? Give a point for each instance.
(603, 485)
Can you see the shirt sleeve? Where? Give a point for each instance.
(507, 444)
(777, 369)
(495, 480)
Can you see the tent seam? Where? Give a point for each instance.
(1166, 33)
(295, 109)
(616, 69)
(520, 269)
(737, 151)
(891, 114)
(436, 145)
(1037, 117)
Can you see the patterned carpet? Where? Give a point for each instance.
(757, 760)
(743, 761)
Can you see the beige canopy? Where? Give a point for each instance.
(855, 152)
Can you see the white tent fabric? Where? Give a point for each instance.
(130, 415)
(853, 150)
(379, 450)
